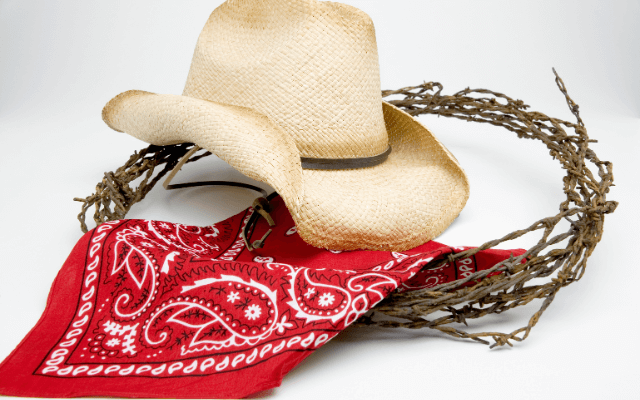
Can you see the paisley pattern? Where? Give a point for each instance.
(166, 297)
(159, 299)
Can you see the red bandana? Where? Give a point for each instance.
(155, 309)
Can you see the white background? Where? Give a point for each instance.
(60, 62)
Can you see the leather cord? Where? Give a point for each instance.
(218, 183)
(261, 205)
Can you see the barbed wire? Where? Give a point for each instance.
(584, 207)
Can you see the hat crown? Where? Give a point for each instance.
(310, 66)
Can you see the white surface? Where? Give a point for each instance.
(61, 61)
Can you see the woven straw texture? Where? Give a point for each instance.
(273, 81)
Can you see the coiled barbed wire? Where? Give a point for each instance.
(584, 207)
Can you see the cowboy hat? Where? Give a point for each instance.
(288, 93)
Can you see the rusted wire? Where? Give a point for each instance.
(584, 207)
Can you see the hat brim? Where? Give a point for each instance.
(406, 201)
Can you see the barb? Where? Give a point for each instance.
(585, 207)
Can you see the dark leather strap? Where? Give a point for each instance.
(261, 207)
(344, 163)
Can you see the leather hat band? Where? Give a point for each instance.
(344, 163)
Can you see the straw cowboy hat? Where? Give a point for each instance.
(288, 93)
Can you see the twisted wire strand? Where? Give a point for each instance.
(584, 207)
